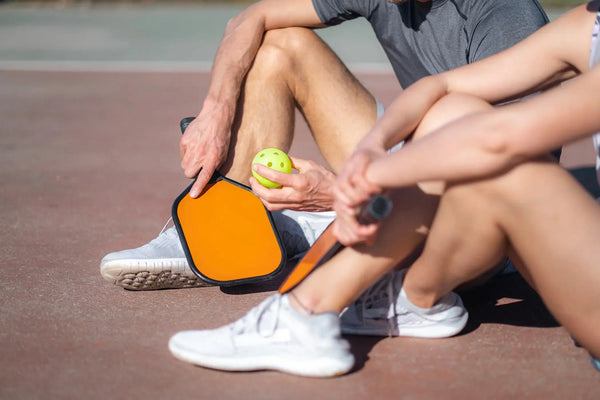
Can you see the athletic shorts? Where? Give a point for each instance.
(380, 111)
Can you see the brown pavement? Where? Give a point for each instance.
(89, 164)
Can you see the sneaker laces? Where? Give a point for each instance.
(262, 319)
(165, 237)
(166, 224)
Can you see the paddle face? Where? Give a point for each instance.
(326, 246)
(227, 234)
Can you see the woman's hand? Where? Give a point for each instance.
(351, 192)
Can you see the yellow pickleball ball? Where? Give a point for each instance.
(274, 159)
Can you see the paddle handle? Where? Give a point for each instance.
(183, 124)
(327, 245)
(377, 209)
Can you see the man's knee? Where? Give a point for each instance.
(295, 39)
(282, 49)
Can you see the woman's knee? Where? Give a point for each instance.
(447, 109)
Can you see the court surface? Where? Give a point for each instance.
(89, 164)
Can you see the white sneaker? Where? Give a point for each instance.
(300, 229)
(384, 310)
(272, 336)
(159, 264)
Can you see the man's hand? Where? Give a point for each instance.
(309, 190)
(204, 147)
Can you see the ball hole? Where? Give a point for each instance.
(269, 164)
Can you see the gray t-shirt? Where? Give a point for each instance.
(422, 39)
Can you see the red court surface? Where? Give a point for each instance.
(89, 164)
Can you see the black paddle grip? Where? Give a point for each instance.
(183, 124)
(377, 209)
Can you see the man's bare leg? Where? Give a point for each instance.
(294, 67)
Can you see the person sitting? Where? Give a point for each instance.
(500, 194)
(268, 63)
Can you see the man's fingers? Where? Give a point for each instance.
(197, 188)
(259, 189)
(307, 190)
(276, 198)
(189, 170)
(274, 176)
(299, 163)
(191, 165)
(185, 139)
(203, 177)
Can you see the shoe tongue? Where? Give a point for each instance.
(169, 238)
(262, 318)
(378, 301)
(171, 233)
(267, 322)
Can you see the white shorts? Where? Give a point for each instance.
(380, 111)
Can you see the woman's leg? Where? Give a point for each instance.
(465, 242)
(555, 230)
(345, 276)
(542, 216)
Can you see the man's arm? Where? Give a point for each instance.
(501, 24)
(205, 143)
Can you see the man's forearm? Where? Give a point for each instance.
(235, 55)
(242, 39)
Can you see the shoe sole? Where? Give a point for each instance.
(433, 331)
(322, 367)
(151, 274)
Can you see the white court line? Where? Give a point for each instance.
(103, 66)
(146, 66)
